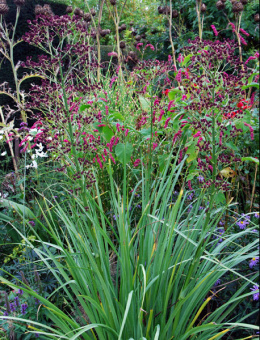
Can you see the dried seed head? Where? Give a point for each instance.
(77, 11)
(220, 5)
(244, 2)
(3, 7)
(87, 17)
(256, 17)
(123, 27)
(38, 10)
(93, 12)
(19, 2)
(131, 23)
(113, 2)
(166, 10)
(46, 10)
(69, 9)
(160, 10)
(122, 45)
(175, 13)
(203, 8)
(237, 7)
(143, 35)
(138, 38)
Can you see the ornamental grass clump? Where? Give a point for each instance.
(150, 277)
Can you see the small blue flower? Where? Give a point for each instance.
(242, 224)
(256, 215)
(16, 301)
(200, 179)
(218, 282)
(253, 262)
(24, 306)
(20, 291)
(256, 295)
(12, 307)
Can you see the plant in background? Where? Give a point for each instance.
(7, 45)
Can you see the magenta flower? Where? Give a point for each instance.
(214, 30)
(138, 46)
(251, 130)
(197, 134)
(244, 32)
(137, 162)
(155, 145)
(161, 114)
(178, 76)
(180, 58)
(242, 40)
(149, 45)
(112, 54)
(167, 122)
(233, 26)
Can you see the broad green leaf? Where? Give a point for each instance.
(117, 115)
(84, 107)
(174, 93)
(186, 59)
(162, 161)
(21, 209)
(251, 159)
(108, 133)
(250, 85)
(220, 198)
(145, 103)
(146, 133)
(193, 153)
(124, 152)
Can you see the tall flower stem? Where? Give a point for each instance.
(198, 10)
(169, 17)
(12, 152)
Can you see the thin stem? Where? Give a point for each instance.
(12, 152)
(253, 191)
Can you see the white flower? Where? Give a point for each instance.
(33, 165)
(1, 137)
(3, 153)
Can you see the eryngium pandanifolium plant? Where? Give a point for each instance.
(152, 279)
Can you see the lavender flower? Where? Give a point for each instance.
(256, 214)
(16, 301)
(242, 224)
(218, 282)
(200, 179)
(12, 307)
(256, 295)
(24, 306)
(253, 262)
(20, 291)
(32, 223)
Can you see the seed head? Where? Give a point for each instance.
(256, 17)
(175, 13)
(220, 5)
(237, 7)
(19, 2)
(122, 45)
(69, 9)
(203, 8)
(3, 7)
